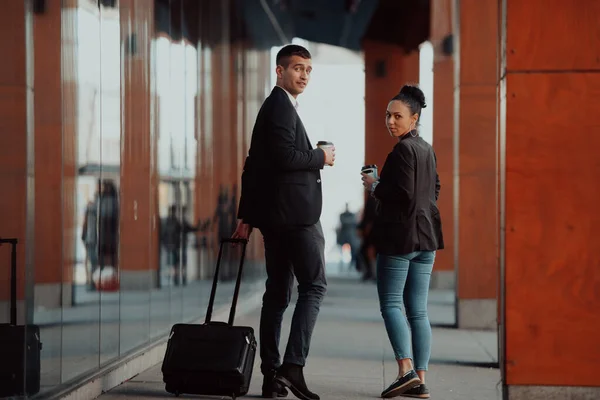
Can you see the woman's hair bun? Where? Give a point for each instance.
(413, 92)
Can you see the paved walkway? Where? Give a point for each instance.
(351, 357)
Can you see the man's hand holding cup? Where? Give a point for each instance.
(329, 150)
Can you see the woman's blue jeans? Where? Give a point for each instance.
(404, 280)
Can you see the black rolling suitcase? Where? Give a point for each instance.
(215, 358)
(20, 345)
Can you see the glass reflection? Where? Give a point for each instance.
(136, 275)
(82, 319)
(109, 209)
(156, 118)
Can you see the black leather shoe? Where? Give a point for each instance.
(401, 385)
(291, 376)
(419, 392)
(272, 389)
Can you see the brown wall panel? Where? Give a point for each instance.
(257, 80)
(13, 73)
(49, 231)
(565, 39)
(443, 144)
(477, 270)
(477, 150)
(477, 130)
(235, 115)
(136, 228)
(441, 20)
(478, 37)
(221, 139)
(216, 131)
(15, 92)
(552, 280)
(410, 71)
(48, 216)
(443, 125)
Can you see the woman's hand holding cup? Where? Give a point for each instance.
(369, 175)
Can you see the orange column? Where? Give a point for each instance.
(224, 133)
(236, 77)
(444, 276)
(222, 113)
(219, 141)
(550, 97)
(54, 156)
(477, 267)
(16, 152)
(387, 68)
(257, 75)
(138, 232)
(205, 188)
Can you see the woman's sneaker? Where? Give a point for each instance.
(419, 392)
(408, 381)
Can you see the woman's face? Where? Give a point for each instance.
(399, 120)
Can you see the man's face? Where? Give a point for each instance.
(295, 77)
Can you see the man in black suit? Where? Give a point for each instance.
(282, 197)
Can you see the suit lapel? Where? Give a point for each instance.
(303, 131)
(299, 123)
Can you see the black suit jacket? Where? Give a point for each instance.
(281, 181)
(408, 189)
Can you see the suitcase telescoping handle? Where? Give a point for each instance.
(238, 281)
(13, 278)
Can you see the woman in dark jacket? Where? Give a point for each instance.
(407, 233)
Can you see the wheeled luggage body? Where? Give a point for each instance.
(215, 358)
(20, 345)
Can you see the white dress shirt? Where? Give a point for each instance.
(292, 98)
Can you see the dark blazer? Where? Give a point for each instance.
(281, 181)
(408, 219)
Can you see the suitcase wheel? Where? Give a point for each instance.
(170, 389)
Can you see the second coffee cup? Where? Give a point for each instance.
(370, 170)
(323, 144)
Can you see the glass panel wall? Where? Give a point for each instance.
(125, 173)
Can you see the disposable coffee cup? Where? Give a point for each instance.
(323, 144)
(370, 170)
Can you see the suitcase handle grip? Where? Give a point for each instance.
(238, 281)
(221, 323)
(13, 278)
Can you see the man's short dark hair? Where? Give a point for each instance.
(283, 56)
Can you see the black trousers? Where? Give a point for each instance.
(289, 252)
